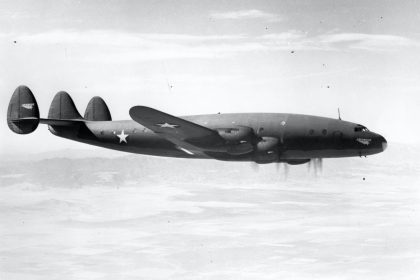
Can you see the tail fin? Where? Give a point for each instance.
(62, 107)
(97, 110)
(23, 112)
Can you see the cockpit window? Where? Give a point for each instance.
(360, 128)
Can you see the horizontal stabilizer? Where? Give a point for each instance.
(55, 122)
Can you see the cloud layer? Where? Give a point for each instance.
(246, 15)
(118, 46)
(130, 216)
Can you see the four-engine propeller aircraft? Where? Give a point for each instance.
(255, 137)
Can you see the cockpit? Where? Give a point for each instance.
(360, 127)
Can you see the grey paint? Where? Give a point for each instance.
(264, 137)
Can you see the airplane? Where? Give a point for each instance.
(255, 137)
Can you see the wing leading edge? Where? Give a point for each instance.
(185, 134)
(176, 129)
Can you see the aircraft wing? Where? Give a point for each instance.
(177, 130)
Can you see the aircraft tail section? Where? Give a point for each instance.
(23, 112)
(97, 110)
(63, 108)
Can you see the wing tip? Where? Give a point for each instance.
(135, 111)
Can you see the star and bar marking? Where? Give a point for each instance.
(167, 125)
(122, 136)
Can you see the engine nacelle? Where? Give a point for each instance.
(238, 134)
(240, 138)
(267, 150)
(298, 161)
(243, 140)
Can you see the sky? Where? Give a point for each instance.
(200, 57)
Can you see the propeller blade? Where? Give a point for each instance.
(255, 166)
(286, 170)
(320, 164)
(315, 164)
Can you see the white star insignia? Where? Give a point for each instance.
(167, 125)
(123, 137)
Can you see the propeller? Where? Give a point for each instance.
(320, 164)
(255, 166)
(285, 168)
(316, 165)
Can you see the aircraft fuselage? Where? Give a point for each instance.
(257, 137)
(300, 136)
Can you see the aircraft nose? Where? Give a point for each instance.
(384, 143)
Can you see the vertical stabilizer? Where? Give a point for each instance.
(62, 107)
(23, 112)
(97, 110)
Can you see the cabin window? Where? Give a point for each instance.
(359, 128)
(324, 132)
